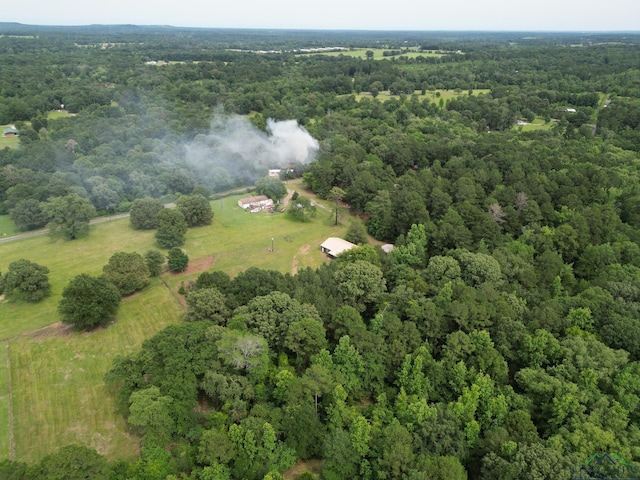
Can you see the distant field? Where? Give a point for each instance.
(378, 53)
(434, 95)
(58, 393)
(54, 114)
(537, 124)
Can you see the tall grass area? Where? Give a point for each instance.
(59, 396)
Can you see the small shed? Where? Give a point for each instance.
(387, 247)
(10, 132)
(334, 246)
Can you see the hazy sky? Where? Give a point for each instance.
(574, 15)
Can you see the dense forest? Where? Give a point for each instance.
(499, 339)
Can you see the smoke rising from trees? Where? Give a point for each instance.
(236, 152)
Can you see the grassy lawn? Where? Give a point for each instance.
(238, 240)
(7, 226)
(59, 396)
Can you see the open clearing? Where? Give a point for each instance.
(58, 392)
(433, 95)
(11, 142)
(378, 53)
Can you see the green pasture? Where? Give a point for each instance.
(59, 396)
(65, 260)
(378, 53)
(58, 392)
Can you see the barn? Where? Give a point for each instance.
(334, 246)
(10, 132)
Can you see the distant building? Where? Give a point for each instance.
(571, 110)
(275, 172)
(334, 246)
(10, 132)
(387, 247)
(255, 204)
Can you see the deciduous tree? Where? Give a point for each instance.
(26, 280)
(172, 228)
(127, 271)
(89, 301)
(68, 216)
(143, 214)
(196, 210)
(177, 260)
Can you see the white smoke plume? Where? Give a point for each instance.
(235, 152)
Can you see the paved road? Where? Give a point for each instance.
(45, 231)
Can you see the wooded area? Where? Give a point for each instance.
(499, 339)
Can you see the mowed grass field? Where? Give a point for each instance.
(58, 392)
(59, 396)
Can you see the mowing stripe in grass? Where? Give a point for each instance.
(6, 432)
(9, 403)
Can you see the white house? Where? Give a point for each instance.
(334, 246)
(255, 204)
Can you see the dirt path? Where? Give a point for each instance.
(294, 263)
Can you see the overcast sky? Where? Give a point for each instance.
(557, 15)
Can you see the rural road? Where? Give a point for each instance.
(45, 231)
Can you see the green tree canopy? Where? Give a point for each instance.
(196, 210)
(69, 216)
(28, 215)
(127, 271)
(207, 304)
(88, 302)
(72, 462)
(143, 214)
(27, 280)
(172, 228)
(177, 260)
(155, 261)
(271, 187)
